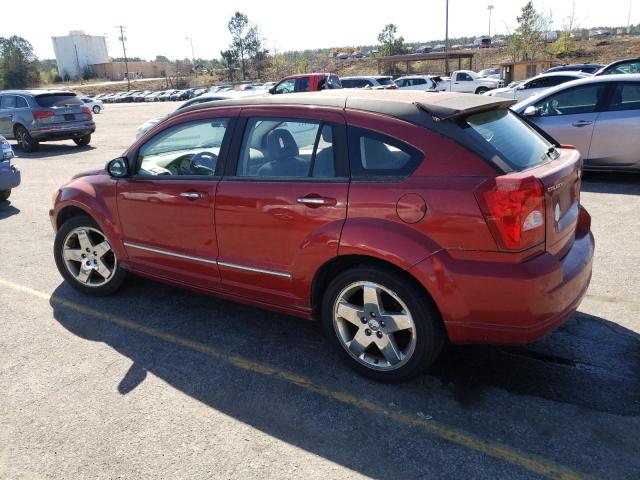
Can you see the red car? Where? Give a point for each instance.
(400, 219)
(306, 82)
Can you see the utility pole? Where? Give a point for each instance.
(124, 50)
(446, 38)
(629, 18)
(193, 57)
(490, 8)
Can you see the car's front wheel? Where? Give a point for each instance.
(4, 195)
(481, 90)
(381, 324)
(82, 141)
(85, 258)
(96, 109)
(25, 140)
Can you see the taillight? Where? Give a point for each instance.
(86, 111)
(43, 114)
(514, 211)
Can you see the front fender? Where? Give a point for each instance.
(96, 196)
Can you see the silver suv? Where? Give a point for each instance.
(34, 116)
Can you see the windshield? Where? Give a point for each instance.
(509, 137)
(385, 80)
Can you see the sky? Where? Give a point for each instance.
(155, 28)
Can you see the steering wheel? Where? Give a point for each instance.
(203, 163)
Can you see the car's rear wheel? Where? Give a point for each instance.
(25, 140)
(382, 325)
(82, 141)
(85, 259)
(96, 109)
(4, 195)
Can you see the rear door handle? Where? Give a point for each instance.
(191, 195)
(581, 123)
(312, 201)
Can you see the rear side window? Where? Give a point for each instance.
(21, 102)
(508, 137)
(375, 155)
(57, 100)
(626, 96)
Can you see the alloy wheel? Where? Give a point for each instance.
(374, 326)
(88, 257)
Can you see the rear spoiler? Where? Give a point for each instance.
(452, 107)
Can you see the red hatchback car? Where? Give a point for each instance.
(400, 219)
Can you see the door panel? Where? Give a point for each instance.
(616, 139)
(167, 233)
(573, 130)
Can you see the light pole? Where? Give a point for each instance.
(193, 57)
(490, 8)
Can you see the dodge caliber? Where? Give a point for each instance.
(400, 220)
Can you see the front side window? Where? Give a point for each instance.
(285, 148)
(574, 101)
(7, 102)
(626, 96)
(373, 154)
(288, 86)
(629, 67)
(188, 149)
(464, 77)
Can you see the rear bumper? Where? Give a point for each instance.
(502, 303)
(63, 132)
(9, 178)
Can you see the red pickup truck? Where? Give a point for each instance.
(306, 82)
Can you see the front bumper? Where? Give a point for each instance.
(503, 303)
(9, 178)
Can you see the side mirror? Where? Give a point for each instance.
(530, 111)
(272, 90)
(118, 167)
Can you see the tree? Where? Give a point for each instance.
(261, 61)
(230, 62)
(389, 44)
(161, 58)
(564, 45)
(19, 67)
(529, 38)
(245, 39)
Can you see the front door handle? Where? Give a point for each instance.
(191, 195)
(313, 201)
(581, 123)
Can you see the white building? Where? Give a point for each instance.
(77, 50)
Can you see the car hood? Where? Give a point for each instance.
(89, 173)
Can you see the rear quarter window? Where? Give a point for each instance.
(57, 100)
(375, 155)
(502, 133)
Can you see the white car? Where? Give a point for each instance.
(207, 97)
(536, 85)
(466, 81)
(95, 105)
(417, 82)
(376, 82)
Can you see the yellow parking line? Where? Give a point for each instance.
(508, 454)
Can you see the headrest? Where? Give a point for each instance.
(281, 144)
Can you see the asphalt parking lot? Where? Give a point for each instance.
(156, 382)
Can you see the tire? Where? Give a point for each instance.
(96, 109)
(82, 141)
(481, 90)
(419, 341)
(25, 140)
(71, 265)
(4, 195)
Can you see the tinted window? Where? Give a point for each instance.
(21, 102)
(302, 84)
(284, 148)
(187, 149)
(385, 80)
(464, 77)
(419, 81)
(574, 101)
(373, 154)
(506, 135)
(626, 96)
(57, 100)
(631, 67)
(8, 101)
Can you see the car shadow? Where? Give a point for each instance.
(611, 182)
(7, 209)
(47, 150)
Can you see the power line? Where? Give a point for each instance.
(124, 51)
